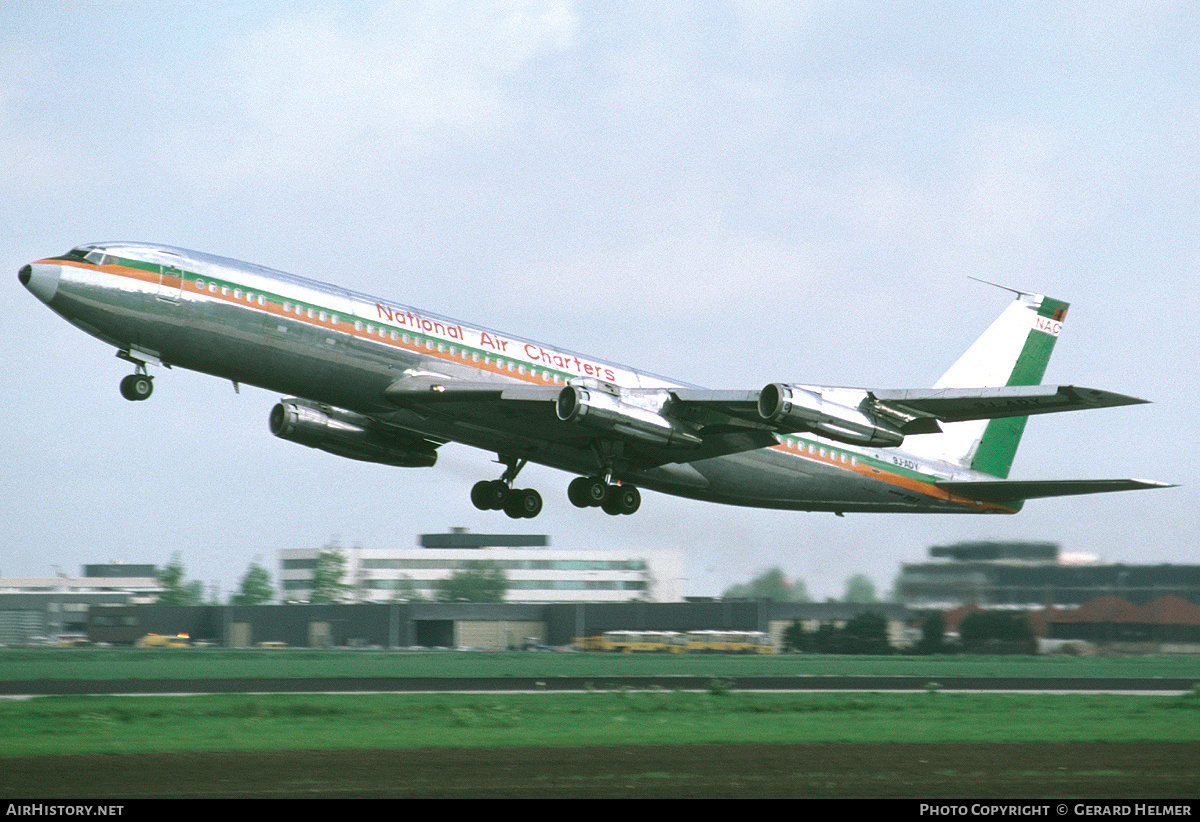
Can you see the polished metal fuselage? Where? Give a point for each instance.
(283, 333)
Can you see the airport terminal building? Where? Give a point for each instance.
(535, 573)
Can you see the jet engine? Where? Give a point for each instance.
(347, 434)
(802, 409)
(609, 412)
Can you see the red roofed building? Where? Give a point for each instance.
(1109, 619)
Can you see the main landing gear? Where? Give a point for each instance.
(584, 492)
(596, 492)
(499, 495)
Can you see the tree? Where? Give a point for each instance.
(827, 639)
(796, 639)
(770, 584)
(982, 628)
(478, 581)
(860, 589)
(328, 575)
(866, 633)
(933, 635)
(256, 587)
(175, 590)
(405, 590)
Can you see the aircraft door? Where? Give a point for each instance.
(170, 284)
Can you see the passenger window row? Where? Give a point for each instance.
(382, 332)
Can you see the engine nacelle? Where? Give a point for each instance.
(607, 412)
(803, 409)
(346, 434)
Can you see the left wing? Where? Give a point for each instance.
(575, 416)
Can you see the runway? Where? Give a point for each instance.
(46, 687)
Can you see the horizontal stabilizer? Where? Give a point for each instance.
(1009, 490)
(957, 404)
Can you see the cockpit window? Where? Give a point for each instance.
(96, 257)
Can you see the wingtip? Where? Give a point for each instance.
(1147, 484)
(1103, 399)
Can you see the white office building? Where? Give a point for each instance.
(534, 572)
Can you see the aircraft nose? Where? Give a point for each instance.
(41, 279)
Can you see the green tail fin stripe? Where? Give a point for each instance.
(1002, 436)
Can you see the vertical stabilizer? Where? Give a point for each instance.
(1013, 351)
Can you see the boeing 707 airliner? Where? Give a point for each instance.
(376, 380)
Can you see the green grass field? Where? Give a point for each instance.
(121, 724)
(185, 663)
(62, 725)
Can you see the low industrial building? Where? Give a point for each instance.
(462, 624)
(1167, 624)
(37, 609)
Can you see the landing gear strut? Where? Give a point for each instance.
(499, 495)
(138, 385)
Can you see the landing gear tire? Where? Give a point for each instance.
(137, 387)
(594, 492)
(495, 495)
(489, 495)
(622, 499)
(587, 492)
(523, 504)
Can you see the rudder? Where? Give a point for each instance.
(1014, 350)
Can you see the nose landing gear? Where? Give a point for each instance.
(137, 387)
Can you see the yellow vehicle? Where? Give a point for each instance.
(161, 641)
(730, 642)
(673, 642)
(588, 643)
(761, 643)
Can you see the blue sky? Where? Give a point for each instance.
(726, 193)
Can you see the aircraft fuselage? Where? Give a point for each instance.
(332, 346)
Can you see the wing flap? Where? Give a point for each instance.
(434, 388)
